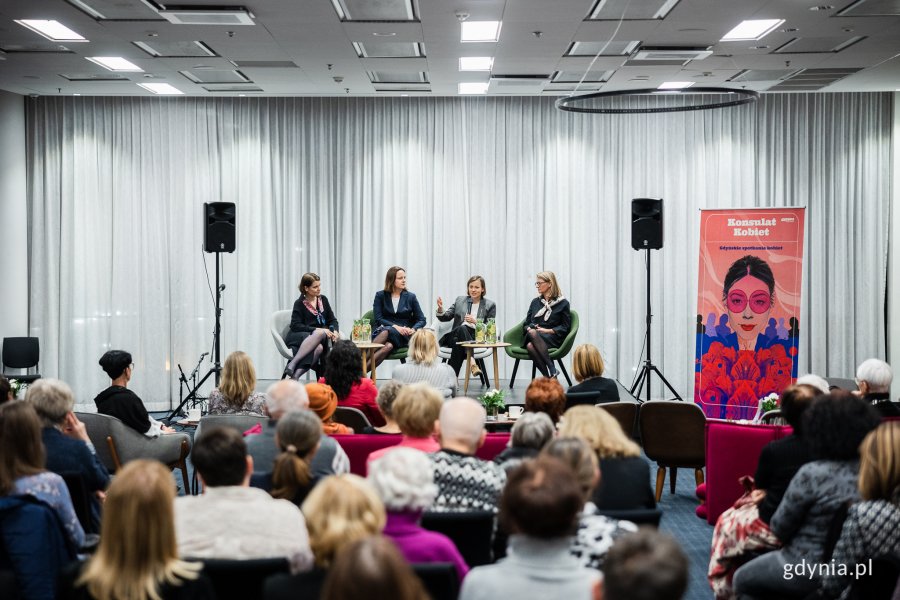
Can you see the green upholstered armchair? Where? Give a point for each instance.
(516, 337)
(399, 353)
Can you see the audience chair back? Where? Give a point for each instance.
(439, 579)
(625, 413)
(398, 354)
(239, 423)
(673, 436)
(33, 545)
(21, 353)
(242, 579)
(472, 533)
(843, 383)
(773, 417)
(353, 418)
(279, 326)
(81, 500)
(516, 337)
(122, 444)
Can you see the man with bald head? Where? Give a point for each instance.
(282, 397)
(465, 482)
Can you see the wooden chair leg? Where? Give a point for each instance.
(512, 380)
(565, 374)
(698, 476)
(660, 480)
(181, 464)
(115, 454)
(673, 475)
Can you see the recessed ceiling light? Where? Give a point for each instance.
(115, 63)
(752, 30)
(480, 31)
(164, 89)
(473, 88)
(822, 7)
(476, 63)
(52, 30)
(758, 47)
(675, 85)
(378, 34)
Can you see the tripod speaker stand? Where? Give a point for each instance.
(646, 235)
(218, 236)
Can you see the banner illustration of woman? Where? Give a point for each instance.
(748, 347)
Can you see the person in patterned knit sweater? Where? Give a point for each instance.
(465, 482)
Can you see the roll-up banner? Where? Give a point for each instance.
(748, 308)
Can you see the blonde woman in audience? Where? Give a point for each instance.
(22, 471)
(339, 511)
(236, 393)
(588, 368)
(625, 481)
(385, 400)
(872, 528)
(137, 558)
(298, 435)
(596, 532)
(417, 409)
(425, 366)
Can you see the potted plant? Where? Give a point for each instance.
(770, 402)
(18, 388)
(493, 403)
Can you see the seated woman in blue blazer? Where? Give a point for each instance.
(397, 314)
(547, 323)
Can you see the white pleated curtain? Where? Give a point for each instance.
(447, 188)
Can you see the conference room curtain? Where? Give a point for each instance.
(447, 188)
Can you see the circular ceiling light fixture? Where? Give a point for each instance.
(738, 97)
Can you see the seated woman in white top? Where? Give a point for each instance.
(424, 366)
(236, 393)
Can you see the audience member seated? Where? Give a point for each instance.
(546, 395)
(873, 377)
(530, 433)
(344, 373)
(284, 397)
(297, 435)
(22, 470)
(68, 448)
(464, 481)
(588, 368)
(340, 510)
(323, 401)
(404, 479)
(540, 507)
(372, 568)
(137, 556)
(120, 402)
(385, 401)
(595, 533)
(5, 390)
(236, 393)
(416, 410)
(424, 366)
(744, 528)
(231, 520)
(646, 565)
(834, 426)
(625, 481)
(872, 528)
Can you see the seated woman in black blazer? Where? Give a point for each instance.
(592, 387)
(397, 314)
(547, 323)
(313, 328)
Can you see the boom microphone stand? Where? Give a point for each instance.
(649, 367)
(216, 367)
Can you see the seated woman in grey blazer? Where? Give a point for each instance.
(464, 312)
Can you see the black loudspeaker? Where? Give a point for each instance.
(219, 226)
(647, 223)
